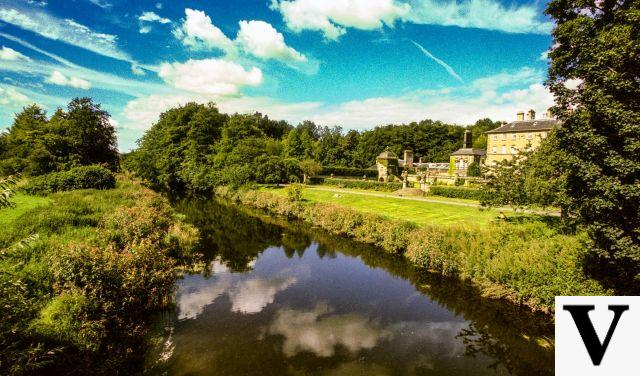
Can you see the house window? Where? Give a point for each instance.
(495, 137)
(504, 150)
(514, 136)
(513, 150)
(543, 135)
(504, 137)
(494, 150)
(529, 136)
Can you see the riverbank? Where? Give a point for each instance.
(80, 273)
(525, 260)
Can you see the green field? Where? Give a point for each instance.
(420, 212)
(24, 203)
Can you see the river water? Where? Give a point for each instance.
(278, 298)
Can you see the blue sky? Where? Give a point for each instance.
(352, 63)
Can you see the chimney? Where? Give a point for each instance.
(531, 115)
(408, 158)
(520, 116)
(549, 114)
(467, 140)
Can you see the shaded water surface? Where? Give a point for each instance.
(278, 298)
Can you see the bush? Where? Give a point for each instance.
(83, 292)
(294, 192)
(348, 172)
(456, 192)
(363, 184)
(526, 262)
(86, 177)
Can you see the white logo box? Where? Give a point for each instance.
(622, 355)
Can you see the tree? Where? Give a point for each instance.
(474, 169)
(271, 170)
(35, 145)
(594, 74)
(309, 168)
(531, 179)
(90, 134)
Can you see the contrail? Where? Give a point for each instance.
(442, 63)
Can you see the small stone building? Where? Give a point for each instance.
(387, 165)
(461, 159)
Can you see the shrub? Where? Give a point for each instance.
(85, 177)
(348, 172)
(294, 192)
(526, 262)
(456, 192)
(363, 184)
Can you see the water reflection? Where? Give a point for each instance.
(319, 331)
(280, 298)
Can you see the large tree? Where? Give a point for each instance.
(595, 75)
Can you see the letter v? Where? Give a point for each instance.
(580, 314)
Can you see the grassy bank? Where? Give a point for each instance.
(418, 212)
(524, 260)
(80, 273)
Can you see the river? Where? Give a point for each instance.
(281, 298)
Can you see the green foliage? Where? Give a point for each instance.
(81, 135)
(528, 262)
(364, 184)
(294, 192)
(474, 169)
(597, 44)
(85, 177)
(456, 192)
(309, 168)
(82, 292)
(7, 189)
(348, 172)
(531, 178)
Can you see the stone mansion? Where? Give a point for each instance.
(502, 143)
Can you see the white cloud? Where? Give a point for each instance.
(331, 17)
(198, 32)
(101, 3)
(262, 40)
(142, 112)
(159, 6)
(64, 30)
(57, 78)
(150, 17)
(320, 332)
(9, 96)
(153, 17)
(7, 53)
(210, 76)
(481, 14)
(137, 70)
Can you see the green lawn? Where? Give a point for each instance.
(23, 203)
(420, 212)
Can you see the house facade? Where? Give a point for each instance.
(504, 142)
(461, 159)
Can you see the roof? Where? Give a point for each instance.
(387, 155)
(527, 125)
(469, 152)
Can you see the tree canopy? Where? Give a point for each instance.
(81, 135)
(595, 76)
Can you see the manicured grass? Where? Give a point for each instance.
(24, 203)
(419, 212)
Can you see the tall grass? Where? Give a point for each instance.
(528, 262)
(79, 294)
